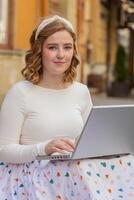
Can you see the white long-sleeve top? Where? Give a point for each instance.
(31, 116)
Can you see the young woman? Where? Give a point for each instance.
(43, 114)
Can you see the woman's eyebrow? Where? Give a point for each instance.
(58, 44)
(68, 44)
(52, 44)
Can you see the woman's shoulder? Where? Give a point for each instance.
(80, 86)
(22, 84)
(21, 87)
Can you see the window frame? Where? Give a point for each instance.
(10, 18)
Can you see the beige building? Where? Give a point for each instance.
(18, 18)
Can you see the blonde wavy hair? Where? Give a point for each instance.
(33, 69)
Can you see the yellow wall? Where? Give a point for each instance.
(98, 33)
(25, 20)
(10, 66)
(27, 14)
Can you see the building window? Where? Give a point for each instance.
(6, 14)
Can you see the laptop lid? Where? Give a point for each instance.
(109, 130)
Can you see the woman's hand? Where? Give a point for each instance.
(60, 145)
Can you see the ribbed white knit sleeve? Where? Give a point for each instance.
(12, 115)
(87, 104)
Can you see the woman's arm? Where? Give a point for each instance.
(87, 105)
(12, 116)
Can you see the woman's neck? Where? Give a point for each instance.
(53, 83)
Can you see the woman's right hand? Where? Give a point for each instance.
(60, 145)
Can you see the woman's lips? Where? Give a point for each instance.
(59, 62)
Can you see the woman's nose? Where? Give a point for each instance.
(60, 53)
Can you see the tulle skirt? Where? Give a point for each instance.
(89, 179)
(42, 180)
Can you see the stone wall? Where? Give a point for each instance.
(11, 63)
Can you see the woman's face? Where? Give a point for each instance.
(57, 53)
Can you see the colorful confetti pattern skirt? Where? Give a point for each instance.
(90, 179)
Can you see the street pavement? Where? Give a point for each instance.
(102, 99)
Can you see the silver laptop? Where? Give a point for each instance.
(109, 130)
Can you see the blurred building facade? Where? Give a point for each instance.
(96, 34)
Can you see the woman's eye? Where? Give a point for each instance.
(68, 47)
(55, 48)
(52, 48)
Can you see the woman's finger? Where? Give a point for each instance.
(69, 141)
(58, 150)
(64, 146)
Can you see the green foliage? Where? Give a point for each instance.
(121, 65)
